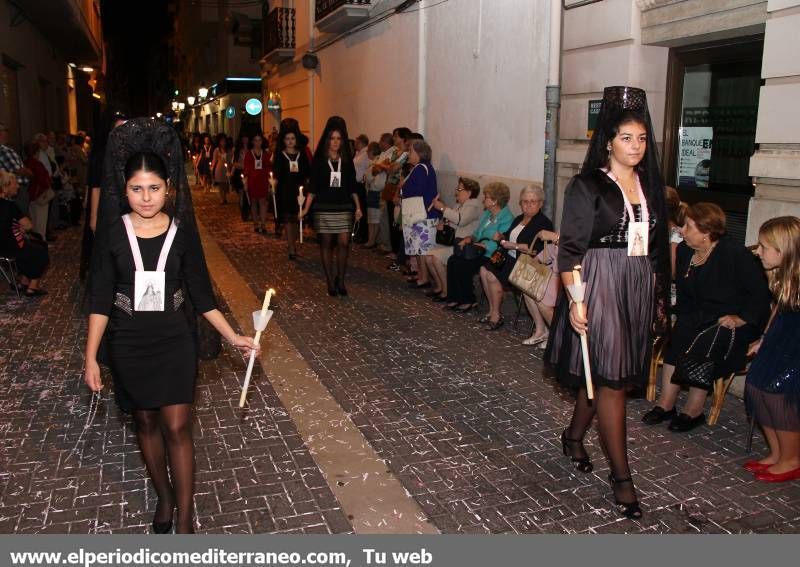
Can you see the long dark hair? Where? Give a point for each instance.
(291, 126)
(146, 161)
(334, 124)
(623, 105)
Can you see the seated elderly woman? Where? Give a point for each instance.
(463, 220)
(519, 238)
(31, 256)
(475, 250)
(723, 306)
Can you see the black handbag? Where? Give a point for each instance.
(498, 258)
(696, 367)
(446, 236)
(470, 251)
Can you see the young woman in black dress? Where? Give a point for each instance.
(332, 191)
(151, 354)
(291, 167)
(619, 185)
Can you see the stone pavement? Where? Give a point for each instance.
(465, 419)
(252, 476)
(468, 422)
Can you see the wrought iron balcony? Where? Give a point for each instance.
(341, 15)
(279, 39)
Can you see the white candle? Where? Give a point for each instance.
(256, 340)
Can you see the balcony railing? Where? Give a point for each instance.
(279, 38)
(340, 15)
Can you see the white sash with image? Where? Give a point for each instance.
(336, 175)
(638, 232)
(294, 164)
(259, 160)
(149, 287)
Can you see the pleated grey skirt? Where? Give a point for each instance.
(619, 300)
(334, 222)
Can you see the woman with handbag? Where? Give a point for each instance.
(475, 250)
(141, 250)
(541, 304)
(723, 304)
(418, 192)
(617, 196)
(772, 389)
(458, 222)
(519, 237)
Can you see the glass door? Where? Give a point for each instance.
(710, 124)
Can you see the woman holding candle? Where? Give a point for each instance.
(221, 167)
(257, 169)
(291, 169)
(617, 196)
(332, 191)
(151, 354)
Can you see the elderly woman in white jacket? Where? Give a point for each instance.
(464, 219)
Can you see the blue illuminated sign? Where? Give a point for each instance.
(253, 106)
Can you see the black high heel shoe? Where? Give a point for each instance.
(163, 527)
(583, 464)
(630, 510)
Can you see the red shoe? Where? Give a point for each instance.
(754, 466)
(766, 476)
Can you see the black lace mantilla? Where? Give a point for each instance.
(140, 135)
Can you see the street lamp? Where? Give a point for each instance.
(190, 100)
(203, 92)
(158, 115)
(174, 105)
(87, 69)
(181, 105)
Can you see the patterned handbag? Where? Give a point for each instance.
(530, 275)
(697, 369)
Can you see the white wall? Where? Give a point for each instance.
(482, 104)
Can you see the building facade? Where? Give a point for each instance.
(213, 46)
(469, 75)
(722, 78)
(39, 89)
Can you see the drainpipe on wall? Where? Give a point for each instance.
(553, 102)
(422, 70)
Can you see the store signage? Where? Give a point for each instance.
(253, 106)
(694, 156)
(230, 112)
(594, 112)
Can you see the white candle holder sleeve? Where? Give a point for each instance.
(577, 291)
(260, 320)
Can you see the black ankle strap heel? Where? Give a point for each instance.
(630, 510)
(582, 464)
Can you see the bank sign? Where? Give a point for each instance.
(694, 157)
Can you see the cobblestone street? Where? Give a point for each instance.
(464, 418)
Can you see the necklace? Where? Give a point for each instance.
(699, 261)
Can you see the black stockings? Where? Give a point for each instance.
(327, 243)
(609, 406)
(173, 425)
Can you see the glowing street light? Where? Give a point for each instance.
(203, 92)
(87, 69)
(174, 105)
(181, 105)
(190, 100)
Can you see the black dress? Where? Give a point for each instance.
(152, 355)
(620, 294)
(289, 182)
(31, 257)
(730, 282)
(538, 223)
